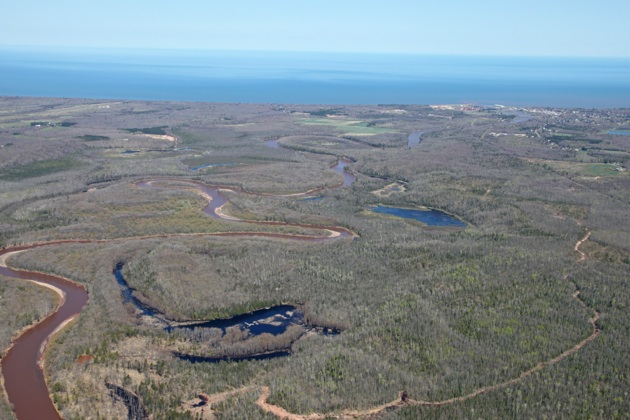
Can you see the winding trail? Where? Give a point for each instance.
(579, 243)
(23, 367)
(23, 364)
(403, 399)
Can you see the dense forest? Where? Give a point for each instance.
(521, 313)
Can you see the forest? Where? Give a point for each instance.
(524, 312)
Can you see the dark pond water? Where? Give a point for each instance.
(128, 297)
(202, 359)
(430, 217)
(130, 152)
(274, 320)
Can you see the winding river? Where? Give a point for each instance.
(521, 117)
(275, 321)
(414, 138)
(22, 367)
(23, 364)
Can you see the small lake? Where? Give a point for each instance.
(414, 138)
(619, 132)
(272, 143)
(430, 217)
(274, 320)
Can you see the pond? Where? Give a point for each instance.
(275, 320)
(430, 217)
(414, 138)
(272, 143)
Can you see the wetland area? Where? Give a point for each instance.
(250, 260)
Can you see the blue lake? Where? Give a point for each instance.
(619, 132)
(430, 217)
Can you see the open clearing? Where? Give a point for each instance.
(348, 127)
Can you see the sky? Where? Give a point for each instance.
(485, 27)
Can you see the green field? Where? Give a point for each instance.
(585, 169)
(39, 168)
(348, 127)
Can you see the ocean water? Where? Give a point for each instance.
(314, 78)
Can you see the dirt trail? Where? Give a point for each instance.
(579, 243)
(402, 399)
(201, 407)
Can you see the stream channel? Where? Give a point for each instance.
(274, 320)
(23, 364)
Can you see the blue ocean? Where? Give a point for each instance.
(314, 78)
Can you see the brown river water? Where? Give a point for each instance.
(22, 366)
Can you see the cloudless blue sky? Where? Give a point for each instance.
(483, 27)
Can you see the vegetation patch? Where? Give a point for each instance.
(52, 124)
(388, 190)
(349, 127)
(161, 130)
(91, 137)
(39, 168)
(324, 112)
(584, 169)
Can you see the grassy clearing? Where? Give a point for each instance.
(348, 127)
(39, 168)
(584, 169)
(75, 109)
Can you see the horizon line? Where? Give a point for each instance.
(84, 49)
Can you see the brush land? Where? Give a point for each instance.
(486, 313)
